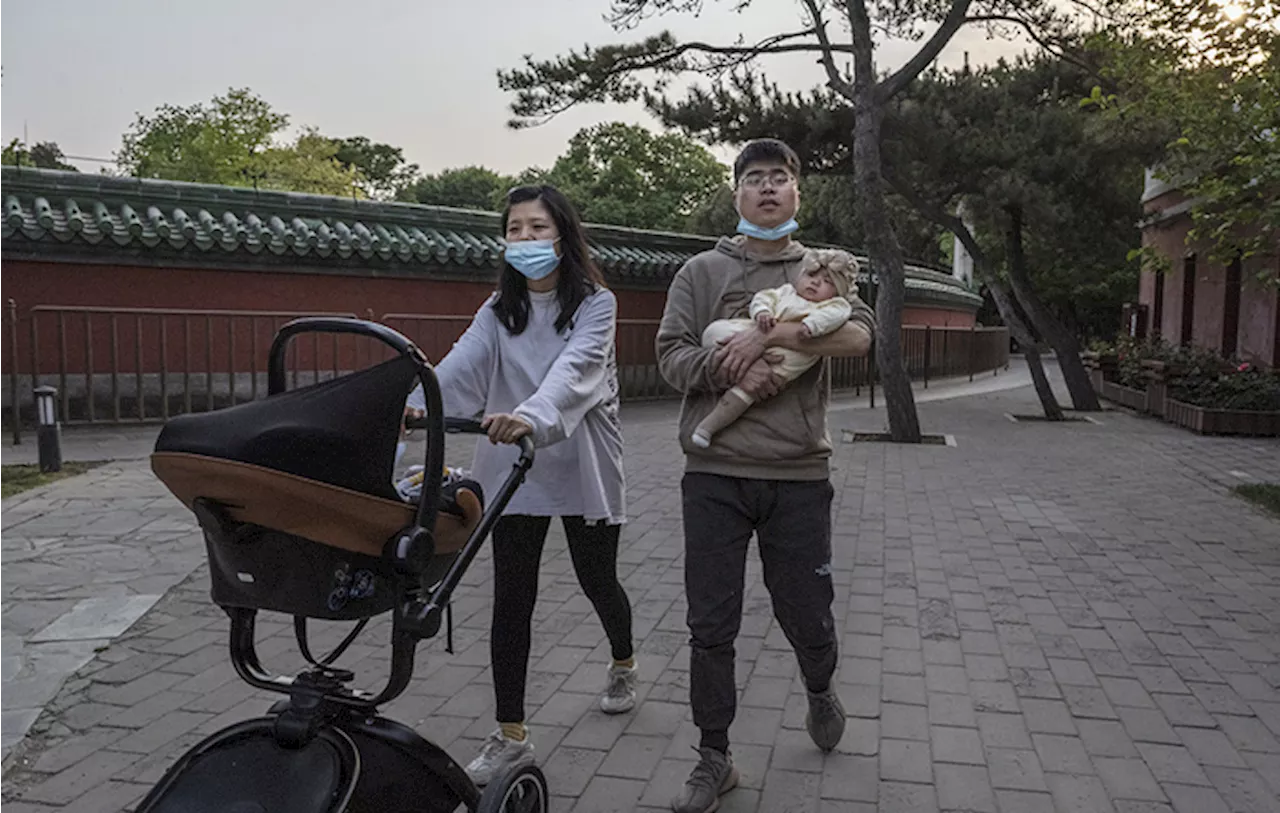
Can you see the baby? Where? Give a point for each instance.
(818, 300)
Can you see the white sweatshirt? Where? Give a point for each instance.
(565, 385)
(786, 305)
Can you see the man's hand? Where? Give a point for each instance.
(851, 340)
(504, 428)
(740, 351)
(765, 321)
(760, 382)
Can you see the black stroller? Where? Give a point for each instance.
(294, 494)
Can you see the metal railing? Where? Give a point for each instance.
(135, 365)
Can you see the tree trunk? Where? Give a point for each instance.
(999, 294)
(1064, 344)
(1030, 349)
(886, 263)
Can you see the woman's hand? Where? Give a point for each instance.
(410, 414)
(505, 428)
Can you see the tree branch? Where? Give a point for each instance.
(834, 79)
(893, 85)
(1035, 36)
(544, 89)
(771, 45)
(935, 213)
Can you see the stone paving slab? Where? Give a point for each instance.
(84, 558)
(1072, 617)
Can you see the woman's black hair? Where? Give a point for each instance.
(579, 277)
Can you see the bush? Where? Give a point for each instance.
(1196, 376)
(1246, 388)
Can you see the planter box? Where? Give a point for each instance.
(1156, 373)
(1156, 397)
(1124, 396)
(1100, 367)
(1207, 421)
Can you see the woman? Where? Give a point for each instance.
(538, 360)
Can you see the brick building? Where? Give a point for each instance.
(1202, 302)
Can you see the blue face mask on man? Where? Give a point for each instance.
(760, 233)
(536, 259)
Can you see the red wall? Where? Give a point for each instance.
(1257, 338)
(937, 317)
(437, 311)
(117, 286)
(240, 342)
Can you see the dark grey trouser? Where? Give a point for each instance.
(793, 523)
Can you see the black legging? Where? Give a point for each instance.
(517, 555)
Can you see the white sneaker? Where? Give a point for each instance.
(620, 693)
(497, 755)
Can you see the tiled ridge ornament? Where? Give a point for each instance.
(51, 214)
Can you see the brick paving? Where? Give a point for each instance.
(1060, 618)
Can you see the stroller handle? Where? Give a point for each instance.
(423, 617)
(464, 426)
(331, 324)
(276, 383)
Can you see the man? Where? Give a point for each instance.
(766, 474)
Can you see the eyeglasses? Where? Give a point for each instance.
(776, 178)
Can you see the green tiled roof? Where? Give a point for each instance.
(66, 215)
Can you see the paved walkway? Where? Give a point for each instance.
(1072, 617)
(85, 559)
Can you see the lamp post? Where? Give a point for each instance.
(49, 434)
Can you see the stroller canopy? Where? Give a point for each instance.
(341, 432)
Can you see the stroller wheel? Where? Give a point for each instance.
(523, 789)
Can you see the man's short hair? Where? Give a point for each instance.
(766, 150)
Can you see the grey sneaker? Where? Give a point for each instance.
(713, 776)
(825, 719)
(620, 694)
(497, 755)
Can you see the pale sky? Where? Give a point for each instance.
(419, 75)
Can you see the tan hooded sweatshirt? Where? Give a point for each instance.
(780, 438)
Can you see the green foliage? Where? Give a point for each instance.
(715, 215)
(232, 141)
(24, 477)
(818, 125)
(1196, 376)
(382, 167)
(744, 106)
(1263, 495)
(1214, 79)
(463, 187)
(309, 164)
(1247, 388)
(614, 173)
(1014, 134)
(626, 175)
(644, 70)
(217, 143)
(44, 154)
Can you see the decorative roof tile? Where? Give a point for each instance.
(55, 214)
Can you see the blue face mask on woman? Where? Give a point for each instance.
(760, 233)
(536, 259)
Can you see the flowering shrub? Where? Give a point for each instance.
(1244, 387)
(1197, 376)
